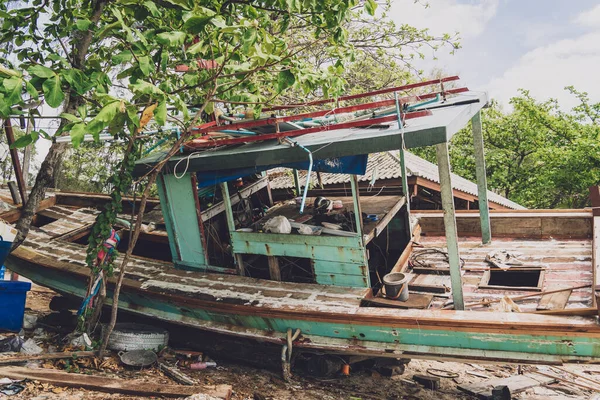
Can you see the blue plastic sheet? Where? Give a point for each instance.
(355, 165)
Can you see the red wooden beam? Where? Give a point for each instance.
(368, 94)
(297, 117)
(208, 142)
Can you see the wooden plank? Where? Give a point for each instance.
(11, 359)
(13, 216)
(402, 262)
(486, 232)
(415, 300)
(383, 223)
(516, 384)
(113, 385)
(274, 270)
(443, 161)
(554, 301)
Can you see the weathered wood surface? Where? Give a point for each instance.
(19, 358)
(531, 225)
(566, 262)
(113, 385)
(415, 300)
(554, 301)
(516, 384)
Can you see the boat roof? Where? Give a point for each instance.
(385, 165)
(446, 118)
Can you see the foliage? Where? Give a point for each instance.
(88, 168)
(537, 155)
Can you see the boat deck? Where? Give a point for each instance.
(384, 207)
(561, 264)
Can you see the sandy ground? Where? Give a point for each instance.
(260, 384)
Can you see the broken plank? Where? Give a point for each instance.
(113, 385)
(516, 384)
(12, 359)
(554, 301)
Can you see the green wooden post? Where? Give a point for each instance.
(297, 182)
(178, 204)
(357, 209)
(231, 226)
(443, 162)
(484, 213)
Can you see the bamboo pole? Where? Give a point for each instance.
(486, 302)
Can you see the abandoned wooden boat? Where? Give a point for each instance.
(224, 273)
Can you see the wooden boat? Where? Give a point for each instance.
(247, 283)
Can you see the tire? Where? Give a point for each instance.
(130, 336)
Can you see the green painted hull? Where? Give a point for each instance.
(355, 337)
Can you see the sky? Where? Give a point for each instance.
(538, 45)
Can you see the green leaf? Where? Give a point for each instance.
(145, 65)
(152, 8)
(143, 87)
(370, 7)
(21, 142)
(77, 80)
(181, 3)
(44, 134)
(77, 134)
(41, 71)
(5, 110)
(122, 57)
(70, 117)
(31, 90)
(160, 114)
(53, 92)
(174, 38)
(200, 18)
(83, 24)
(285, 79)
(196, 48)
(14, 87)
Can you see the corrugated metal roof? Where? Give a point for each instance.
(385, 165)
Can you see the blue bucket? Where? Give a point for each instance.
(4, 249)
(12, 299)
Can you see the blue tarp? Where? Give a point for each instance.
(355, 165)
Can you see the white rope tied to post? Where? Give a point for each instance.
(286, 354)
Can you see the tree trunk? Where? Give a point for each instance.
(51, 165)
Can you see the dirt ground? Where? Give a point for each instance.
(250, 382)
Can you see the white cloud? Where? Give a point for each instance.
(446, 16)
(590, 18)
(546, 70)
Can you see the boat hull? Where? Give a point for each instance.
(367, 332)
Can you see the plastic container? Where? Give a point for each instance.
(396, 286)
(12, 299)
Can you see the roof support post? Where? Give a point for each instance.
(356, 203)
(443, 161)
(231, 227)
(484, 213)
(297, 182)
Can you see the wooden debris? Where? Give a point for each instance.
(515, 383)
(595, 382)
(486, 302)
(429, 382)
(19, 358)
(176, 375)
(558, 378)
(554, 301)
(113, 385)
(478, 374)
